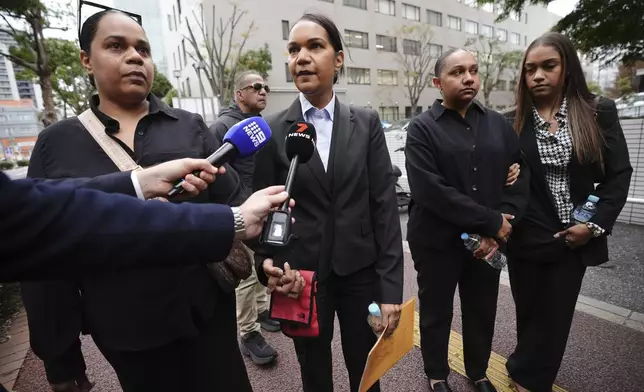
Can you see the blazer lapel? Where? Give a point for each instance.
(343, 128)
(294, 114)
(533, 158)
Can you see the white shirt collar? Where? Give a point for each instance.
(306, 105)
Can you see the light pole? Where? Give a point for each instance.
(177, 74)
(198, 67)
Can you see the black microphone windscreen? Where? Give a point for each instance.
(300, 141)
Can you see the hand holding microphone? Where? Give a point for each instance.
(242, 140)
(299, 146)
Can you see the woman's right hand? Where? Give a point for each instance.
(513, 174)
(506, 228)
(288, 282)
(488, 246)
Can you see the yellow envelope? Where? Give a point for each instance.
(388, 351)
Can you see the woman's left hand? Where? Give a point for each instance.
(513, 174)
(390, 317)
(576, 236)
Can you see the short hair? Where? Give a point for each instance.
(335, 38)
(242, 79)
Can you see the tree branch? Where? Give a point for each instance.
(21, 62)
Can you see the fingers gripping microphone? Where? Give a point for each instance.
(242, 140)
(299, 146)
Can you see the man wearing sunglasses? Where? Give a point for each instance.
(252, 301)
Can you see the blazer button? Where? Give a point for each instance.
(475, 188)
(475, 168)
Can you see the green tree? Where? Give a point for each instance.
(161, 85)
(69, 80)
(415, 59)
(595, 88)
(606, 30)
(26, 21)
(494, 64)
(258, 60)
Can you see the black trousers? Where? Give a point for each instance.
(545, 295)
(69, 366)
(439, 271)
(210, 362)
(350, 297)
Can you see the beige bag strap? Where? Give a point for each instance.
(117, 154)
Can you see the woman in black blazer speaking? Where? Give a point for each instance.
(571, 140)
(346, 226)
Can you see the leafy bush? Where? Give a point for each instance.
(5, 165)
(23, 163)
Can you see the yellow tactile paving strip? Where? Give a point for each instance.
(496, 371)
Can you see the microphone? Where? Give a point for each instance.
(242, 140)
(299, 147)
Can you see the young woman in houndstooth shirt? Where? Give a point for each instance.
(571, 140)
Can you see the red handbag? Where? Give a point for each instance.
(299, 317)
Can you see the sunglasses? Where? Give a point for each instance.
(81, 3)
(259, 87)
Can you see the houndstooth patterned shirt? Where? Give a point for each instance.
(555, 151)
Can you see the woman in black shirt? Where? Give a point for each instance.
(458, 154)
(572, 140)
(167, 329)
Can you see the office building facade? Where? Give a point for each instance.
(374, 75)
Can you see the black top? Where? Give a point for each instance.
(140, 309)
(532, 239)
(457, 168)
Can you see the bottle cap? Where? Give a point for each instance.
(593, 198)
(374, 310)
(465, 236)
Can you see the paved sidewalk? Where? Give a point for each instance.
(601, 356)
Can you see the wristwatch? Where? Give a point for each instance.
(240, 228)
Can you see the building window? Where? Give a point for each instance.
(434, 18)
(358, 76)
(411, 12)
(362, 4)
(169, 22)
(513, 85)
(189, 87)
(387, 7)
(516, 38)
(487, 31)
(419, 110)
(502, 35)
(179, 54)
(327, 1)
(286, 28)
(525, 18)
(385, 43)
(411, 47)
(387, 77)
(453, 22)
(356, 39)
(179, 7)
(471, 27)
(388, 113)
(174, 60)
(525, 40)
(289, 77)
(174, 16)
(435, 51)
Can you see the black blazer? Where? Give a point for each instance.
(532, 239)
(57, 228)
(346, 219)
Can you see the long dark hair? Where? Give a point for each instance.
(335, 38)
(587, 140)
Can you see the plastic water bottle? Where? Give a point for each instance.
(586, 211)
(473, 241)
(375, 318)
